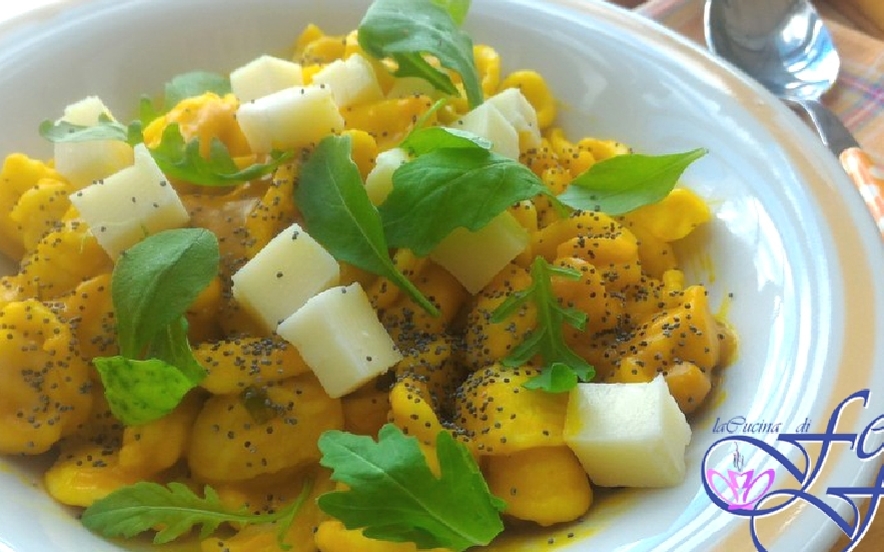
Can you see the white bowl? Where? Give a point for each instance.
(791, 255)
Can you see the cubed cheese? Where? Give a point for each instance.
(628, 434)
(351, 81)
(130, 204)
(488, 122)
(341, 339)
(82, 163)
(284, 274)
(263, 76)
(516, 109)
(290, 118)
(474, 258)
(379, 181)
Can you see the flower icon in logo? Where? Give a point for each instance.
(737, 488)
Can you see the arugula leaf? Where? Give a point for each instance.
(140, 391)
(451, 187)
(171, 345)
(135, 134)
(156, 280)
(407, 29)
(146, 111)
(623, 183)
(394, 496)
(425, 140)
(153, 284)
(563, 368)
(194, 83)
(421, 122)
(339, 215)
(176, 510)
(457, 9)
(63, 131)
(182, 160)
(558, 377)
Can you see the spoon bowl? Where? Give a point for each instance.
(786, 47)
(783, 44)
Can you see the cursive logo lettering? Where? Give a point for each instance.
(748, 492)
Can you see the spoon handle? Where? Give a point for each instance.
(856, 162)
(832, 131)
(867, 179)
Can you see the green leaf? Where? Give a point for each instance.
(562, 368)
(339, 215)
(63, 131)
(146, 110)
(288, 514)
(422, 120)
(171, 345)
(182, 160)
(134, 133)
(153, 284)
(425, 140)
(557, 378)
(144, 506)
(452, 187)
(195, 83)
(405, 30)
(140, 391)
(457, 9)
(623, 183)
(394, 496)
(156, 280)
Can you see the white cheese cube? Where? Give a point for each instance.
(289, 119)
(285, 273)
(351, 81)
(82, 163)
(85, 112)
(628, 434)
(379, 180)
(130, 204)
(341, 339)
(488, 122)
(264, 75)
(474, 258)
(516, 109)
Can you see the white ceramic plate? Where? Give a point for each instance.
(790, 242)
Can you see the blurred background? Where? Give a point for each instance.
(865, 15)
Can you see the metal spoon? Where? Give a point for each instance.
(785, 45)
